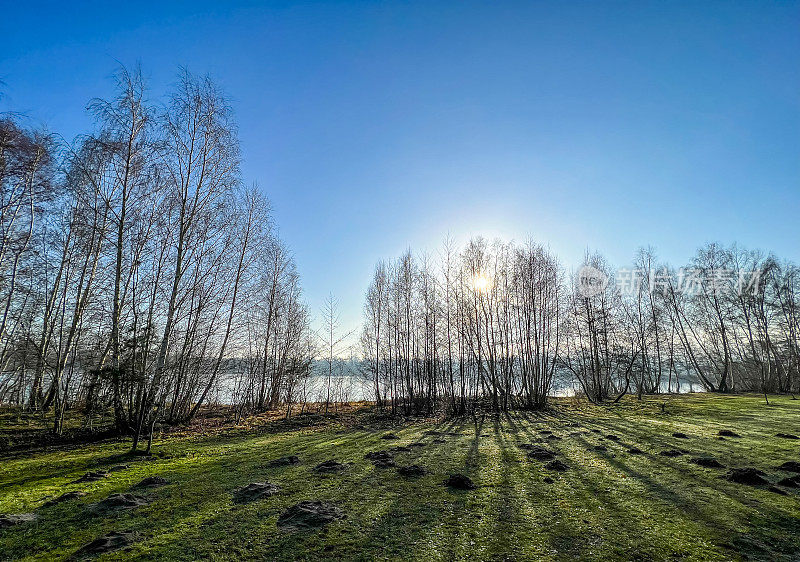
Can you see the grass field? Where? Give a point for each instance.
(607, 505)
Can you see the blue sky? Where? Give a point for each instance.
(378, 126)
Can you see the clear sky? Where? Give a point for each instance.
(378, 126)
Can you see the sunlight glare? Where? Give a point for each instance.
(481, 283)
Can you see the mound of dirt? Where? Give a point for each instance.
(115, 540)
(92, 476)
(556, 465)
(790, 466)
(255, 491)
(381, 459)
(118, 467)
(671, 453)
(679, 435)
(152, 482)
(635, 451)
(119, 502)
(541, 454)
(331, 465)
(706, 462)
(284, 461)
(389, 436)
(612, 437)
(308, 515)
(411, 470)
(65, 497)
(10, 520)
(727, 433)
(749, 476)
(786, 436)
(459, 482)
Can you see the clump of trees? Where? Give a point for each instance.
(137, 273)
(499, 323)
(483, 323)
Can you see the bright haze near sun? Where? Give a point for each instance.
(374, 128)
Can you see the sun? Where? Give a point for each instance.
(481, 283)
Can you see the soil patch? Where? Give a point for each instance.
(706, 462)
(284, 461)
(152, 482)
(790, 466)
(381, 459)
(459, 482)
(308, 515)
(65, 497)
(790, 482)
(749, 476)
(541, 454)
(118, 502)
(727, 433)
(556, 465)
(411, 470)
(115, 540)
(671, 453)
(92, 476)
(331, 465)
(255, 491)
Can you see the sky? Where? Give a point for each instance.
(374, 127)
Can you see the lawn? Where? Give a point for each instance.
(608, 504)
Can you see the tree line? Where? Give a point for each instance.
(137, 273)
(499, 324)
(140, 276)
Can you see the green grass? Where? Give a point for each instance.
(609, 505)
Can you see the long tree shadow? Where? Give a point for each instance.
(679, 496)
